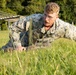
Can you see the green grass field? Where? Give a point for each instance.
(59, 59)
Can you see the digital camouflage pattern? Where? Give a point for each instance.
(19, 32)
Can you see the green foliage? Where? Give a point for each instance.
(4, 27)
(59, 59)
(15, 6)
(35, 6)
(27, 7)
(2, 3)
(67, 10)
(8, 10)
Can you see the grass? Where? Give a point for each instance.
(3, 37)
(59, 59)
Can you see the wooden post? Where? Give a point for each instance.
(8, 23)
(30, 33)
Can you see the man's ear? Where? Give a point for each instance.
(57, 16)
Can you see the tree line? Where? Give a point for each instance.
(27, 7)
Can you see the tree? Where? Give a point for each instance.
(35, 6)
(2, 3)
(16, 5)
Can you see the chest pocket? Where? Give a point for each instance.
(40, 39)
(37, 35)
(60, 33)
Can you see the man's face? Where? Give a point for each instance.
(49, 19)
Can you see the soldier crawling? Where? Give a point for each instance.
(40, 29)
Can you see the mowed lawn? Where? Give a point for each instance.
(4, 37)
(58, 59)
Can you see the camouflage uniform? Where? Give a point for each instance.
(19, 31)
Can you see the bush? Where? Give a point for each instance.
(4, 27)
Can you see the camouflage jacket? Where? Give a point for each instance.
(19, 30)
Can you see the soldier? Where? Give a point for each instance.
(45, 28)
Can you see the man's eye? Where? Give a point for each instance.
(49, 16)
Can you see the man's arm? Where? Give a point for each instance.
(15, 30)
(70, 31)
(19, 26)
(65, 29)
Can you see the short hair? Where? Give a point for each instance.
(52, 7)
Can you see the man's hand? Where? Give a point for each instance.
(20, 48)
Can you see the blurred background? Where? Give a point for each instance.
(10, 8)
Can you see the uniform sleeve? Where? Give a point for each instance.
(19, 26)
(15, 30)
(70, 31)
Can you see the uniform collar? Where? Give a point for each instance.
(51, 30)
